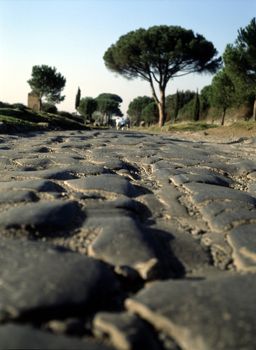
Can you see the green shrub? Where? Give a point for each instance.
(19, 106)
(4, 105)
(49, 108)
(22, 114)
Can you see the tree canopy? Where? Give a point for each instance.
(222, 92)
(47, 83)
(87, 106)
(159, 54)
(109, 104)
(136, 107)
(240, 62)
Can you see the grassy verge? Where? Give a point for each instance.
(189, 126)
(15, 120)
(238, 129)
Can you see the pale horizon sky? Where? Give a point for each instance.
(73, 35)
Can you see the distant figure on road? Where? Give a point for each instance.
(122, 122)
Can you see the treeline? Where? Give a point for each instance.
(232, 87)
(179, 52)
(100, 109)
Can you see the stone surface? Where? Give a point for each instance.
(25, 337)
(203, 178)
(107, 183)
(44, 216)
(122, 241)
(243, 242)
(125, 331)
(41, 281)
(208, 314)
(204, 192)
(36, 185)
(96, 221)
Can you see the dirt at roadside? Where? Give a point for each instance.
(220, 134)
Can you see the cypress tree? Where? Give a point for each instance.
(177, 105)
(196, 112)
(78, 97)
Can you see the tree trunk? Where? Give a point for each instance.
(161, 108)
(254, 109)
(223, 116)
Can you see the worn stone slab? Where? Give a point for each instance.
(243, 242)
(204, 192)
(185, 152)
(123, 205)
(65, 159)
(189, 251)
(222, 216)
(33, 163)
(204, 315)
(53, 173)
(122, 241)
(125, 331)
(45, 216)
(25, 337)
(252, 189)
(17, 196)
(244, 166)
(63, 173)
(201, 178)
(220, 250)
(39, 281)
(34, 185)
(169, 195)
(105, 182)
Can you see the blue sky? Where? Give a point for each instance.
(73, 35)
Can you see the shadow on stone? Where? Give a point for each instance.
(169, 265)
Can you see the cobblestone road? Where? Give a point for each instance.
(122, 240)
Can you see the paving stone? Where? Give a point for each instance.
(123, 242)
(207, 179)
(244, 166)
(152, 205)
(170, 196)
(44, 217)
(209, 314)
(125, 331)
(65, 159)
(25, 337)
(226, 218)
(128, 206)
(18, 196)
(67, 173)
(185, 152)
(33, 163)
(220, 250)
(54, 174)
(204, 192)
(189, 251)
(39, 281)
(35, 185)
(252, 175)
(243, 242)
(188, 228)
(105, 182)
(252, 189)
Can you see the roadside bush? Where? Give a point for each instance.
(5, 105)
(19, 106)
(65, 114)
(49, 108)
(21, 114)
